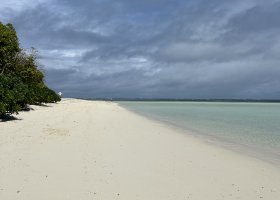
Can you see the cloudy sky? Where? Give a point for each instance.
(153, 48)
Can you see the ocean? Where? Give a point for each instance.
(250, 128)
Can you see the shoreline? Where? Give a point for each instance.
(80, 149)
(264, 154)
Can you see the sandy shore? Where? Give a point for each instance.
(82, 150)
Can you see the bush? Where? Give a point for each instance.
(21, 81)
(12, 91)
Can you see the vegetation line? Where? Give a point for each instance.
(21, 81)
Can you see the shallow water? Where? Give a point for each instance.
(255, 126)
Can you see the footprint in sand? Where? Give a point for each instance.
(56, 132)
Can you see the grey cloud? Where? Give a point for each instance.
(193, 52)
(258, 19)
(155, 48)
(85, 86)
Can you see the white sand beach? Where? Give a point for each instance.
(86, 150)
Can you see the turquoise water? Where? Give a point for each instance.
(250, 127)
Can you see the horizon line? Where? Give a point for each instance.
(186, 99)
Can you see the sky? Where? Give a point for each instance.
(153, 48)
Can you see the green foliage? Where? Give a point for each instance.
(9, 47)
(21, 82)
(12, 90)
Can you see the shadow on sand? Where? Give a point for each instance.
(7, 118)
(43, 105)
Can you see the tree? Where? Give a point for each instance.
(12, 91)
(21, 81)
(9, 48)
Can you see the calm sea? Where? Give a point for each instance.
(252, 128)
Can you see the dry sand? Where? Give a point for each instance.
(82, 150)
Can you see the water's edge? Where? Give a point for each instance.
(247, 150)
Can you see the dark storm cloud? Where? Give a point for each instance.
(154, 48)
(116, 84)
(258, 19)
